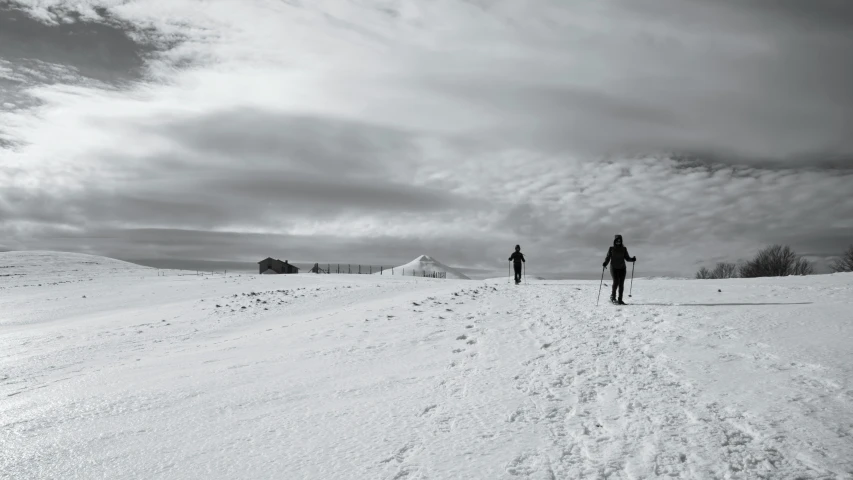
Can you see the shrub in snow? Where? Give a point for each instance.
(776, 261)
(721, 270)
(845, 263)
(725, 270)
(703, 274)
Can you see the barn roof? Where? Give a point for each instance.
(273, 259)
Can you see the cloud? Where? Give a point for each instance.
(90, 41)
(303, 143)
(698, 129)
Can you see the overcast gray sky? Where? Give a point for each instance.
(374, 131)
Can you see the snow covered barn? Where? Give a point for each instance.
(271, 265)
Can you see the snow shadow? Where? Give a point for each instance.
(718, 304)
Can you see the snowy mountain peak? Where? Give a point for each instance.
(425, 264)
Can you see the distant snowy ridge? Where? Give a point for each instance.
(426, 265)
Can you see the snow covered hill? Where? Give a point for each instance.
(428, 265)
(134, 375)
(54, 265)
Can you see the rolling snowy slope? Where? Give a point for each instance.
(342, 377)
(426, 264)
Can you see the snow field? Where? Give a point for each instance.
(325, 376)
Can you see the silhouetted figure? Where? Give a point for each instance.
(517, 257)
(617, 255)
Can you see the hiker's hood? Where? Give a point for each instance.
(617, 240)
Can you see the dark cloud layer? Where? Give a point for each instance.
(817, 15)
(101, 50)
(251, 168)
(300, 143)
(758, 80)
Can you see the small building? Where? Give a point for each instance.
(271, 265)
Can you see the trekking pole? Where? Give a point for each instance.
(632, 279)
(599, 287)
(508, 273)
(524, 270)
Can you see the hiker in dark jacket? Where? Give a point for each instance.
(616, 257)
(516, 258)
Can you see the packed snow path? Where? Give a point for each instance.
(390, 378)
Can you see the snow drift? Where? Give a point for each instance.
(428, 265)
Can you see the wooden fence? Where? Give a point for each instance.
(170, 272)
(350, 269)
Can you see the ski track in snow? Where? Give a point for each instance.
(336, 376)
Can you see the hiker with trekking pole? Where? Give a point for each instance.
(617, 255)
(518, 261)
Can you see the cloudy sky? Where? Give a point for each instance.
(190, 132)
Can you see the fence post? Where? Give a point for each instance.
(381, 270)
(359, 269)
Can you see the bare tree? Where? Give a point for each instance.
(724, 270)
(721, 270)
(802, 267)
(845, 263)
(776, 261)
